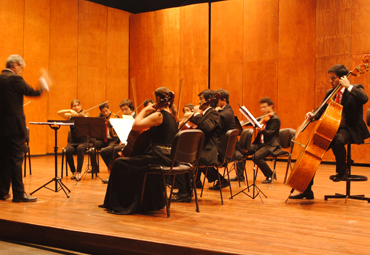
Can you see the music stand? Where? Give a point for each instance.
(256, 189)
(55, 125)
(90, 127)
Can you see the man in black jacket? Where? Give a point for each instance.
(13, 127)
(352, 127)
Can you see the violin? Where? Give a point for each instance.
(266, 118)
(203, 107)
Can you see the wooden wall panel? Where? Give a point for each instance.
(360, 27)
(260, 52)
(296, 72)
(227, 49)
(11, 26)
(117, 57)
(142, 55)
(194, 53)
(36, 54)
(63, 63)
(92, 55)
(167, 49)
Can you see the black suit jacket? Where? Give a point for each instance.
(271, 135)
(209, 123)
(12, 89)
(352, 112)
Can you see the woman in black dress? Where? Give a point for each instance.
(125, 182)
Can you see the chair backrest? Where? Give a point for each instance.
(187, 146)
(228, 144)
(246, 139)
(27, 138)
(285, 136)
(368, 117)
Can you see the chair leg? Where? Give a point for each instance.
(245, 172)
(274, 172)
(204, 181)
(289, 164)
(226, 170)
(61, 174)
(29, 160)
(165, 193)
(195, 188)
(220, 184)
(25, 164)
(142, 191)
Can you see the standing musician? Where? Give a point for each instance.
(79, 145)
(352, 128)
(13, 127)
(110, 152)
(125, 183)
(267, 140)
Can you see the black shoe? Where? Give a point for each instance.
(181, 198)
(338, 178)
(235, 179)
(106, 180)
(307, 195)
(268, 180)
(198, 185)
(5, 197)
(101, 206)
(225, 184)
(24, 198)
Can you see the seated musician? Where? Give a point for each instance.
(110, 152)
(267, 139)
(187, 110)
(79, 145)
(125, 184)
(228, 123)
(352, 127)
(208, 121)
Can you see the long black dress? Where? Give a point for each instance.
(125, 182)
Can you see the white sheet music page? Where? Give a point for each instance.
(249, 116)
(122, 126)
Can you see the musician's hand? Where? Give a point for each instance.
(73, 112)
(187, 115)
(309, 115)
(149, 108)
(197, 109)
(344, 82)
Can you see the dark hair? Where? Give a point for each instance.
(164, 94)
(190, 106)
(207, 94)
(75, 101)
(127, 102)
(266, 100)
(339, 70)
(147, 101)
(105, 105)
(224, 94)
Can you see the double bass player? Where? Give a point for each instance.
(352, 128)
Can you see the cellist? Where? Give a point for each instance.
(352, 127)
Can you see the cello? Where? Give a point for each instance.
(320, 138)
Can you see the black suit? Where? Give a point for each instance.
(270, 145)
(12, 131)
(352, 129)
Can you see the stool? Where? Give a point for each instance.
(351, 178)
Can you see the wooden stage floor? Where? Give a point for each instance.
(241, 226)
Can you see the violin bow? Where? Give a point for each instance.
(27, 103)
(96, 106)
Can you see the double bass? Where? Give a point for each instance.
(320, 138)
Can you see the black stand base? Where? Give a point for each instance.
(57, 189)
(357, 197)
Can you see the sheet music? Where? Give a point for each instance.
(249, 116)
(122, 127)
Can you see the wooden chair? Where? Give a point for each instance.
(186, 150)
(28, 152)
(227, 150)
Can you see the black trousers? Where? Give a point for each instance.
(341, 138)
(259, 156)
(109, 152)
(12, 151)
(79, 149)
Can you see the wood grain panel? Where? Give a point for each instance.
(360, 27)
(194, 53)
(92, 55)
(11, 26)
(63, 63)
(333, 22)
(260, 53)
(167, 49)
(36, 54)
(296, 72)
(227, 48)
(117, 57)
(142, 55)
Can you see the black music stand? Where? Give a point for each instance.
(55, 125)
(255, 188)
(90, 127)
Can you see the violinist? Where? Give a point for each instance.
(125, 184)
(352, 128)
(188, 110)
(75, 144)
(267, 139)
(111, 139)
(110, 152)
